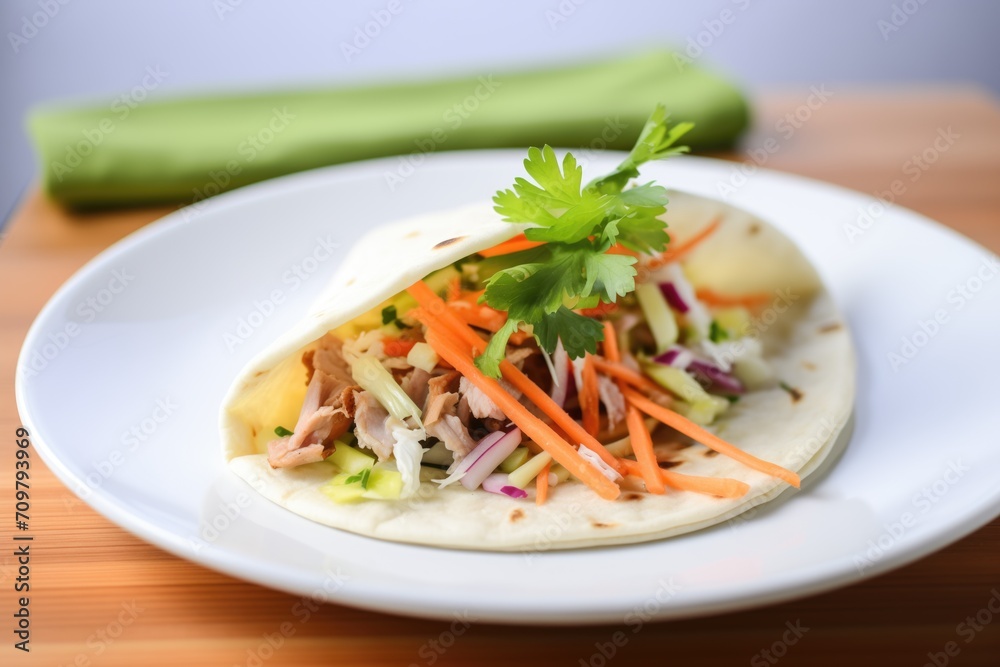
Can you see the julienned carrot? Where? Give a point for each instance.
(483, 317)
(515, 244)
(724, 487)
(611, 350)
(711, 298)
(397, 347)
(435, 309)
(542, 484)
(619, 249)
(457, 354)
(638, 434)
(681, 249)
(625, 374)
(454, 288)
(642, 447)
(590, 400)
(710, 440)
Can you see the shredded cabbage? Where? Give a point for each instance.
(408, 453)
(591, 457)
(368, 372)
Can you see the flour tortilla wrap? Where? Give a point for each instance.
(804, 336)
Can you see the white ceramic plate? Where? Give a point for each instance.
(121, 377)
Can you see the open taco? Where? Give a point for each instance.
(449, 401)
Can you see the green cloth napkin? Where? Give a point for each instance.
(188, 148)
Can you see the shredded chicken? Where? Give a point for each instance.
(327, 410)
(372, 425)
(441, 415)
(415, 384)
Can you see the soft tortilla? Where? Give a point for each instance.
(805, 338)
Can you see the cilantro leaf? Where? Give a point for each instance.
(716, 333)
(579, 334)
(578, 225)
(389, 314)
(281, 431)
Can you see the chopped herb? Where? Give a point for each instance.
(716, 333)
(732, 399)
(389, 316)
(578, 224)
(281, 431)
(792, 391)
(360, 477)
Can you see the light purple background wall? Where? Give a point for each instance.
(99, 49)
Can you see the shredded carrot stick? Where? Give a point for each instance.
(621, 372)
(642, 447)
(518, 337)
(600, 310)
(619, 249)
(455, 288)
(434, 309)
(611, 350)
(724, 487)
(681, 249)
(590, 401)
(509, 246)
(457, 354)
(397, 347)
(710, 298)
(542, 485)
(710, 440)
(638, 434)
(483, 317)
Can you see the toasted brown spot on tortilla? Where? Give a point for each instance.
(754, 229)
(632, 496)
(599, 524)
(516, 515)
(666, 465)
(808, 365)
(448, 242)
(259, 373)
(827, 328)
(253, 431)
(412, 235)
(792, 391)
(307, 359)
(709, 453)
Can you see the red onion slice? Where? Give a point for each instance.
(674, 298)
(488, 454)
(500, 483)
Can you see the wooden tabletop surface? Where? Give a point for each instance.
(101, 596)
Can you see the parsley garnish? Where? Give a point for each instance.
(578, 224)
(281, 431)
(360, 477)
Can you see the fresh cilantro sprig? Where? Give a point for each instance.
(578, 224)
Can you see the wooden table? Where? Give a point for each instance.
(89, 576)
